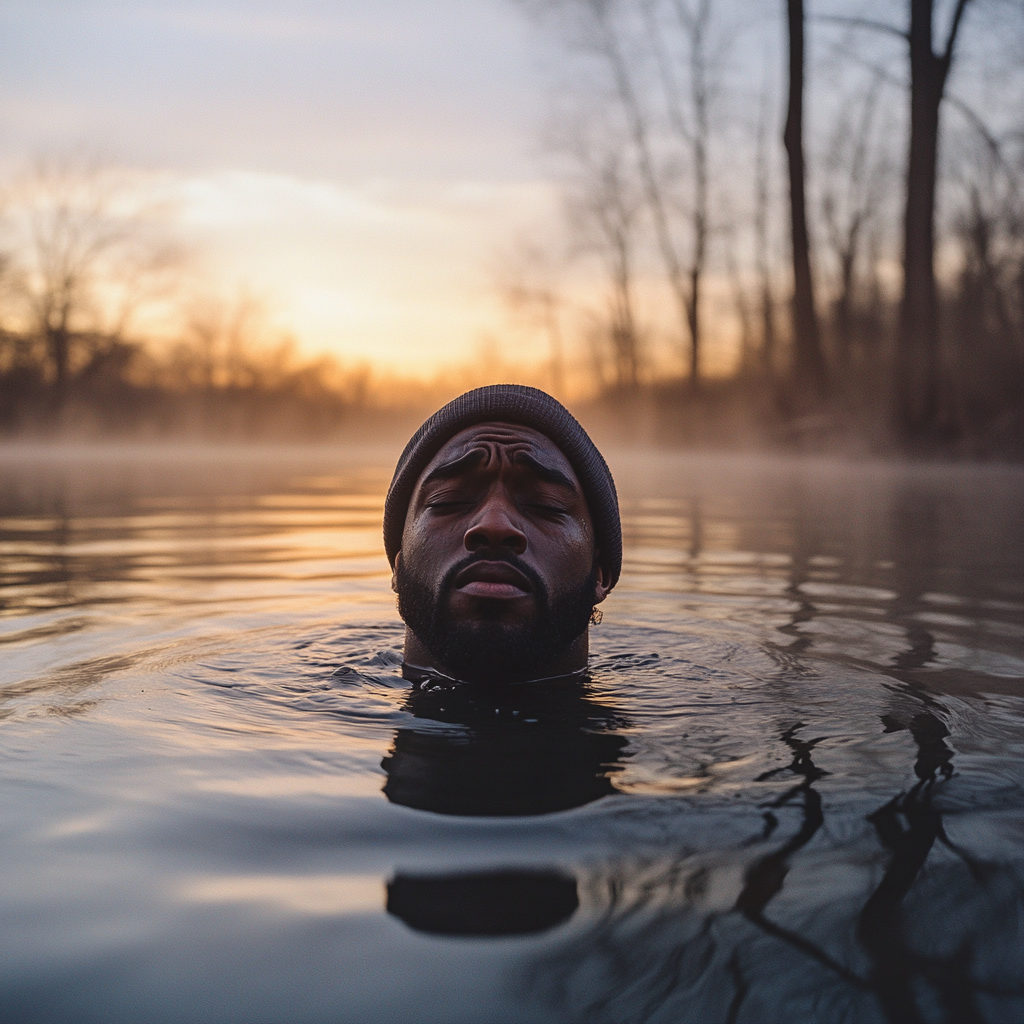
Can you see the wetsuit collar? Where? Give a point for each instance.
(418, 674)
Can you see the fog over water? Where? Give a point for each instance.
(792, 788)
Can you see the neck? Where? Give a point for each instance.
(572, 661)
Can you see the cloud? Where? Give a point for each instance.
(414, 86)
(385, 273)
(355, 163)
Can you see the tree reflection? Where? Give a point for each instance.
(666, 944)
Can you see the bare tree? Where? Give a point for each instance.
(762, 256)
(917, 358)
(917, 365)
(987, 381)
(70, 230)
(641, 130)
(694, 132)
(81, 256)
(605, 212)
(662, 64)
(850, 197)
(228, 341)
(656, 70)
(808, 362)
(745, 313)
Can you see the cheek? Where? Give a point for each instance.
(570, 549)
(430, 546)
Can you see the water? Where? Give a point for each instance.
(793, 788)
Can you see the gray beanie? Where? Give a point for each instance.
(510, 403)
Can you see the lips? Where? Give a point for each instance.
(497, 580)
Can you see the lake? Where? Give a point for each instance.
(792, 788)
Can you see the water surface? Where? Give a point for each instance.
(792, 788)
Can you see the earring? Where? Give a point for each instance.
(596, 616)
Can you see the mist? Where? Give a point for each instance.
(738, 237)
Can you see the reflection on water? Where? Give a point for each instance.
(522, 751)
(494, 903)
(792, 788)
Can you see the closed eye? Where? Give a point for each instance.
(448, 504)
(551, 511)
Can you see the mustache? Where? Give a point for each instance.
(501, 555)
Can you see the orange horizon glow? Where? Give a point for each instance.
(364, 188)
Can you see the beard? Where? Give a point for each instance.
(488, 649)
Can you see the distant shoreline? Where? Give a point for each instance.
(362, 450)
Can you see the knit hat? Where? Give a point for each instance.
(511, 403)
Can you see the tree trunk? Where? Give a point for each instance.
(767, 329)
(917, 357)
(844, 305)
(693, 319)
(808, 363)
(59, 344)
(761, 208)
(623, 323)
(699, 98)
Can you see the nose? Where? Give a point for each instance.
(494, 526)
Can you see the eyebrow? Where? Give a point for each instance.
(455, 468)
(548, 474)
(450, 470)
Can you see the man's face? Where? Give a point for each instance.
(497, 574)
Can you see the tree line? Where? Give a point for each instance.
(105, 330)
(112, 327)
(840, 189)
(864, 209)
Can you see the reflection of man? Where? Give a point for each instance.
(502, 528)
(519, 751)
(483, 903)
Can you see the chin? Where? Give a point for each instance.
(488, 640)
(494, 651)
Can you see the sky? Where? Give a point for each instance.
(358, 164)
(364, 167)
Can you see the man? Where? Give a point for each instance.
(502, 528)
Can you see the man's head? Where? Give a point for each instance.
(502, 527)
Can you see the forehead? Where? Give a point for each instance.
(508, 438)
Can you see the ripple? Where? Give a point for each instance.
(792, 785)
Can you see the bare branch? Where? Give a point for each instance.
(879, 71)
(993, 144)
(645, 159)
(669, 85)
(867, 23)
(947, 53)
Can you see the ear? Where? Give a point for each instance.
(603, 584)
(394, 572)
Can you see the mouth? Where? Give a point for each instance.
(495, 580)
